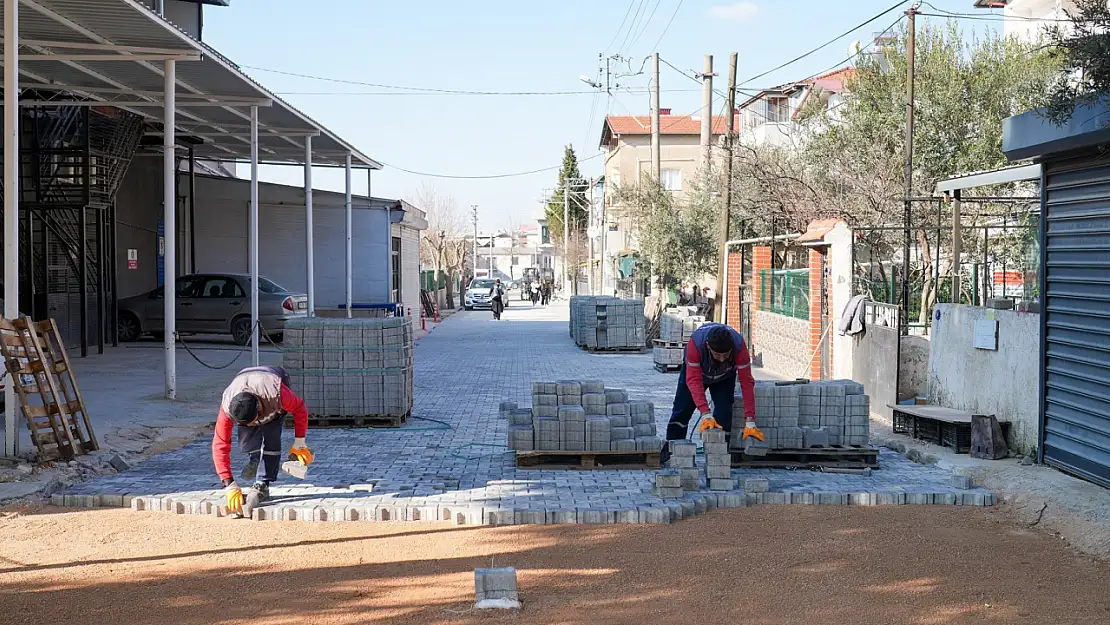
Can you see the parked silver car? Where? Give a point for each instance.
(212, 304)
(478, 294)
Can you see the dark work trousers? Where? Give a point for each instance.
(722, 393)
(263, 441)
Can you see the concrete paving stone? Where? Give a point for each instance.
(719, 460)
(668, 493)
(802, 498)
(562, 517)
(962, 482)
(756, 485)
(722, 484)
(656, 515)
(718, 472)
(720, 448)
(681, 462)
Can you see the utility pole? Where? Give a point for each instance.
(566, 237)
(707, 115)
(722, 225)
(656, 157)
(490, 275)
(474, 250)
(590, 228)
(911, 46)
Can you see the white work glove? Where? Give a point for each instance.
(298, 443)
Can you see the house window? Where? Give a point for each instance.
(396, 255)
(773, 110)
(545, 235)
(671, 179)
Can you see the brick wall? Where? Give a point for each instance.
(732, 289)
(761, 259)
(816, 311)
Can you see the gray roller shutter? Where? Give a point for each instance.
(1076, 320)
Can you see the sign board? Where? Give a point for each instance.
(985, 334)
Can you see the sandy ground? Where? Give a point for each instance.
(767, 565)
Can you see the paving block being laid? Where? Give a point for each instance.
(683, 448)
(962, 482)
(496, 588)
(713, 436)
(691, 478)
(668, 478)
(719, 471)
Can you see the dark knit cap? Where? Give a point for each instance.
(243, 408)
(720, 339)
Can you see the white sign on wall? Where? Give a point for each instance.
(986, 334)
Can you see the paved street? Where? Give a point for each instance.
(449, 461)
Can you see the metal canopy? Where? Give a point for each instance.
(112, 51)
(1017, 173)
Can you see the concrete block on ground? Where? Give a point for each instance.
(691, 478)
(683, 448)
(619, 409)
(722, 484)
(962, 482)
(756, 485)
(496, 588)
(592, 387)
(680, 462)
(543, 399)
(616, 396)
(718, 460)
(624, 444)
(620, 422)
(520, 416)
(815, 437)
(668, 493)
(668, 478)
(720, 448)
(569, 387)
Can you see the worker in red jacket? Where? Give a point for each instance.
(716, 356)
(257, 400)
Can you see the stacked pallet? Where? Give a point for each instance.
(809, 416)
(607, 323)
(351, 368)
(581, 416)
(677, 325)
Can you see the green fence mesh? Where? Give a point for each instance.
(790, 289)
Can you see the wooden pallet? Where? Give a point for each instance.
(623, 350)
(51, 402)
(661, 368)
(837, 456)
(668, 344)
(336, 421)
(587, 460)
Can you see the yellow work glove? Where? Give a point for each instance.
(751, 431)
(709, 423)
(234, 496)
(300, 452)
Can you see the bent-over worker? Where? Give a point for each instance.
(716, 356)
(257, 400)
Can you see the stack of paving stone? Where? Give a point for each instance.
(603, 322)
(574, 415)
(351, 367)
(681, 462)
(718, 461)
(813, 415)
(677, 325)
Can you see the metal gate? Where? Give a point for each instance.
(1075, 325)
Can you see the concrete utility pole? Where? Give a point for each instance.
(566, 236)
(707, 115)
(722, 224)
(656, 156)
(907, 217)
(474, 247)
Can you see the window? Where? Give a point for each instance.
(671, 179)
(773, 110)
(396, 256)
(545, 235)
(220, 287)
(516, 260)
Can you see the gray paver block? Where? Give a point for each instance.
(656, 515)
(681, 462)
(718, 472)
(962, 482)
(756, 485)
(683, 448)
(668, 478)
(495, 584)
(668, 493)
(722, 484)
(713, 436)
(720, 448)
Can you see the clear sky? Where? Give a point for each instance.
(517, 45)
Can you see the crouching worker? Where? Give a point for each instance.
(716, 356)
(257, 400)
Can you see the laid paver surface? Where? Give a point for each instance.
(449, 461)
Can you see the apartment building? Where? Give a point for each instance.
(1027, 19)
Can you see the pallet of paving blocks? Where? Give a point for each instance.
(582, 424)
(667, 357)
(677, 325)
(39, 370)
(809, 424)
(351, 372)
(603, 323)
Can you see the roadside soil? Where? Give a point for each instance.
(818, 565)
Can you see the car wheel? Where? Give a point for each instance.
(241, 330)
(128, 328)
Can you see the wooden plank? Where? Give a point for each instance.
(76, 390)
(33, 340)
(587, 460)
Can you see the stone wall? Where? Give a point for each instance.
(781, 343)
(1003, 382)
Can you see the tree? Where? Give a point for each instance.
(578, 198)
(965, 87)
(446, 226)
(1083, 45)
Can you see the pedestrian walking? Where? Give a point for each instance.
(497, 299)
(534, 287)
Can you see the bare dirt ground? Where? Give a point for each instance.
(927, 565)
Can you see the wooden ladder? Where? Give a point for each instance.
(40, 372)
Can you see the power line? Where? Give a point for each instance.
(668, 26)
(484, 177)
(426, 90)
(991, 17)
(822, 46)
(632, 26)
(647, 23)
(627, 12)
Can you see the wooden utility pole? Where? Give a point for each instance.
(907, 216)
(656, 157)
(722, 224)
(707, 115)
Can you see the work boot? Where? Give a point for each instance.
(250, 471)
(665, 453)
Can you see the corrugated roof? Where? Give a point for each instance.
(120, 27)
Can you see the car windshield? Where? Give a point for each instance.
(481, 284)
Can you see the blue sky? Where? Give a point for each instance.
(501, 45)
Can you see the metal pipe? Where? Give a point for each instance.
(11, 199)
(102, 271)
(192, 209)
(113, 278)
(83, 243)
(389, 253)
(169, 220)
(347, 265)
(957, 242)
(309, 235)
(254, 236)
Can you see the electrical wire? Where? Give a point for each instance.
(425, 90)
(484, 177)
(647, 22)
(668, 26)
(822, 46)
(627, 12)
(994, 17)
(631, 27)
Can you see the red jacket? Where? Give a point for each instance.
(221, 440)
(743, 373)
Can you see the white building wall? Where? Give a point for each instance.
(1025, 19)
